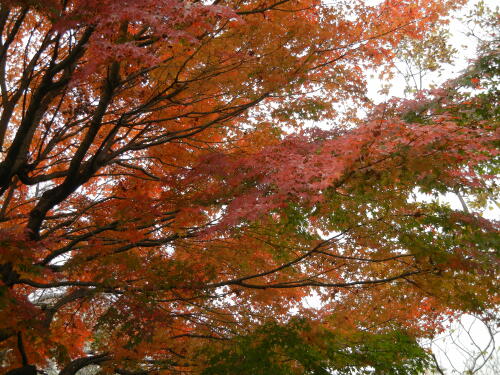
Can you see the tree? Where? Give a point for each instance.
(471, 348)
(468, 345)
(157, 217)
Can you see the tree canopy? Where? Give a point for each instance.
(167, 205)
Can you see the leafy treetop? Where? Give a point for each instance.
(165, 208)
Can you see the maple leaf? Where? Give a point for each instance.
(166, 205)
